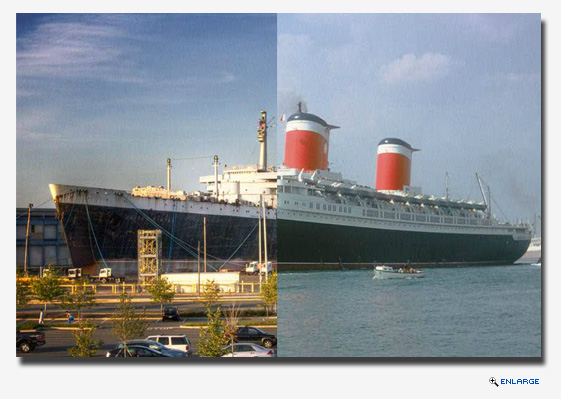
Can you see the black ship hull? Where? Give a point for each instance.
(111, 233)
(305, 245)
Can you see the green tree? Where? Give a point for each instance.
(86, 346)
(162, 291)
(48, 288)
(126, 323)
(213, 338)
(269, 292)
(79, 298)
(23, 292)
(210, 294)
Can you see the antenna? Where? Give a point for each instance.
(262, 138)
(447, 194)
(215, 180)
(271, 122)
(489, 196)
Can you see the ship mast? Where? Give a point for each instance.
(485, 198)
(262, 138)
(169, 174)
(216, 176)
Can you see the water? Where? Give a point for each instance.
(456, 312)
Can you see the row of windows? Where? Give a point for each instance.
(424, 218)
(371, 213)
(325, 207)
(331, 208)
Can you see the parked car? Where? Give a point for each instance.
(248, 350)
(170, 313)
(178, 342)
(255, 335)
(136, 351)
(27, 341)
(155, 346)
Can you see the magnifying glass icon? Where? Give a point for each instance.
(493, 381)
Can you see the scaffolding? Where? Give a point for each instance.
(149, 255)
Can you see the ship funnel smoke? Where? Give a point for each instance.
(300, 106)
(287, 102)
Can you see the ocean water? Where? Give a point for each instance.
(451, 312)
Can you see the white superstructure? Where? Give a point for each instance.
(244, 184)
(325, 197)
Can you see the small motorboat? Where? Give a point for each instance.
(387, 272)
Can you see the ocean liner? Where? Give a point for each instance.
(101, 224)
(326, 221)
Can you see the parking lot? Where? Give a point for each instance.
(58, 341)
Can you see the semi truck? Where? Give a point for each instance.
(106, 276)
(74, 274)
(256, 268)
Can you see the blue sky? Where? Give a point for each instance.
(464, 88)
(104, 99)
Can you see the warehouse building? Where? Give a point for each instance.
(47, 245)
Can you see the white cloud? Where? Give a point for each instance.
(410, 68)
(68, 49)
